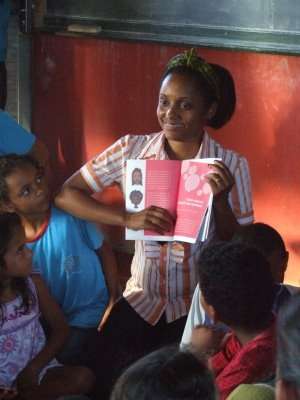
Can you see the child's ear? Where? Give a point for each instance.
(285, 260)
(213, 314)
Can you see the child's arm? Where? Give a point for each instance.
(110, 270)
(59, 331)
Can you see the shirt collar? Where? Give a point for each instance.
(156, 148)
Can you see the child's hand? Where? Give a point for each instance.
(28, 377)
(206, 339)
(7, 393)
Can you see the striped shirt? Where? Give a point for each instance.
(163, 277)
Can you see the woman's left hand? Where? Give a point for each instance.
(220, 179)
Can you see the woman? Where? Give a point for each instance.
(193, 94)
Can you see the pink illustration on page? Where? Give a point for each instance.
(193, 196)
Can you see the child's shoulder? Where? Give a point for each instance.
(58, 216)
(64, 223)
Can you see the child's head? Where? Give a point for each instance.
(15, 257)
(288, 345)
(236, 286)
(212, 83)
(166, 374)
(23, 188)
(270, 243)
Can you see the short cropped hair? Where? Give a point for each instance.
(263, 237)
(166, 374)
(236, 280)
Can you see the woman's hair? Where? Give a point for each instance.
(215, 84)
(9, 225)
(236, 281)
(8, 164)
(166, 374)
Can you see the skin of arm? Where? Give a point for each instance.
(59, 331)
(75, 198)
(110, 270)
(221, 181)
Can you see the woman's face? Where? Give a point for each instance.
(181, 110)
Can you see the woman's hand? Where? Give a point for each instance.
(152, 218)
(220, 179)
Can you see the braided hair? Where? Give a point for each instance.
(215, 83)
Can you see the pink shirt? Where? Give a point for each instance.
(164, 277)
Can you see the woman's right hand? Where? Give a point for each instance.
(152, 218)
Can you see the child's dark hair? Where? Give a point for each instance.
(8, 164)
(166, 374)
(214, 82)
(9, 224)
(236, 281)
(263, 237)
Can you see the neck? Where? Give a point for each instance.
(32, 224)
(245, 336)
(6, 291)
(178, 150)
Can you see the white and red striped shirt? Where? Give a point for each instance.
(163, 277)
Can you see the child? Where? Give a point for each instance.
(270, 243)
(288, 355)
(237, 289)
(66, 251)
(27, 363)
(166, 374)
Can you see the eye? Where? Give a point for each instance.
(163, 102)
(186, 105)
(25, 192)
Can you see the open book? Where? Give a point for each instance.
(178, 186)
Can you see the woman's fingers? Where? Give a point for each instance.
(152, 218)
(220, 179)
(158, 219)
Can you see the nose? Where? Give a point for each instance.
(39, 189)
(171, 111)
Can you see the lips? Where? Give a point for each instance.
(172, 125)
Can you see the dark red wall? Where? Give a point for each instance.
(89, 92)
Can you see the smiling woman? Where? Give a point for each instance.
(193, 94)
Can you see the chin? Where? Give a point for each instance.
(175, 135)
